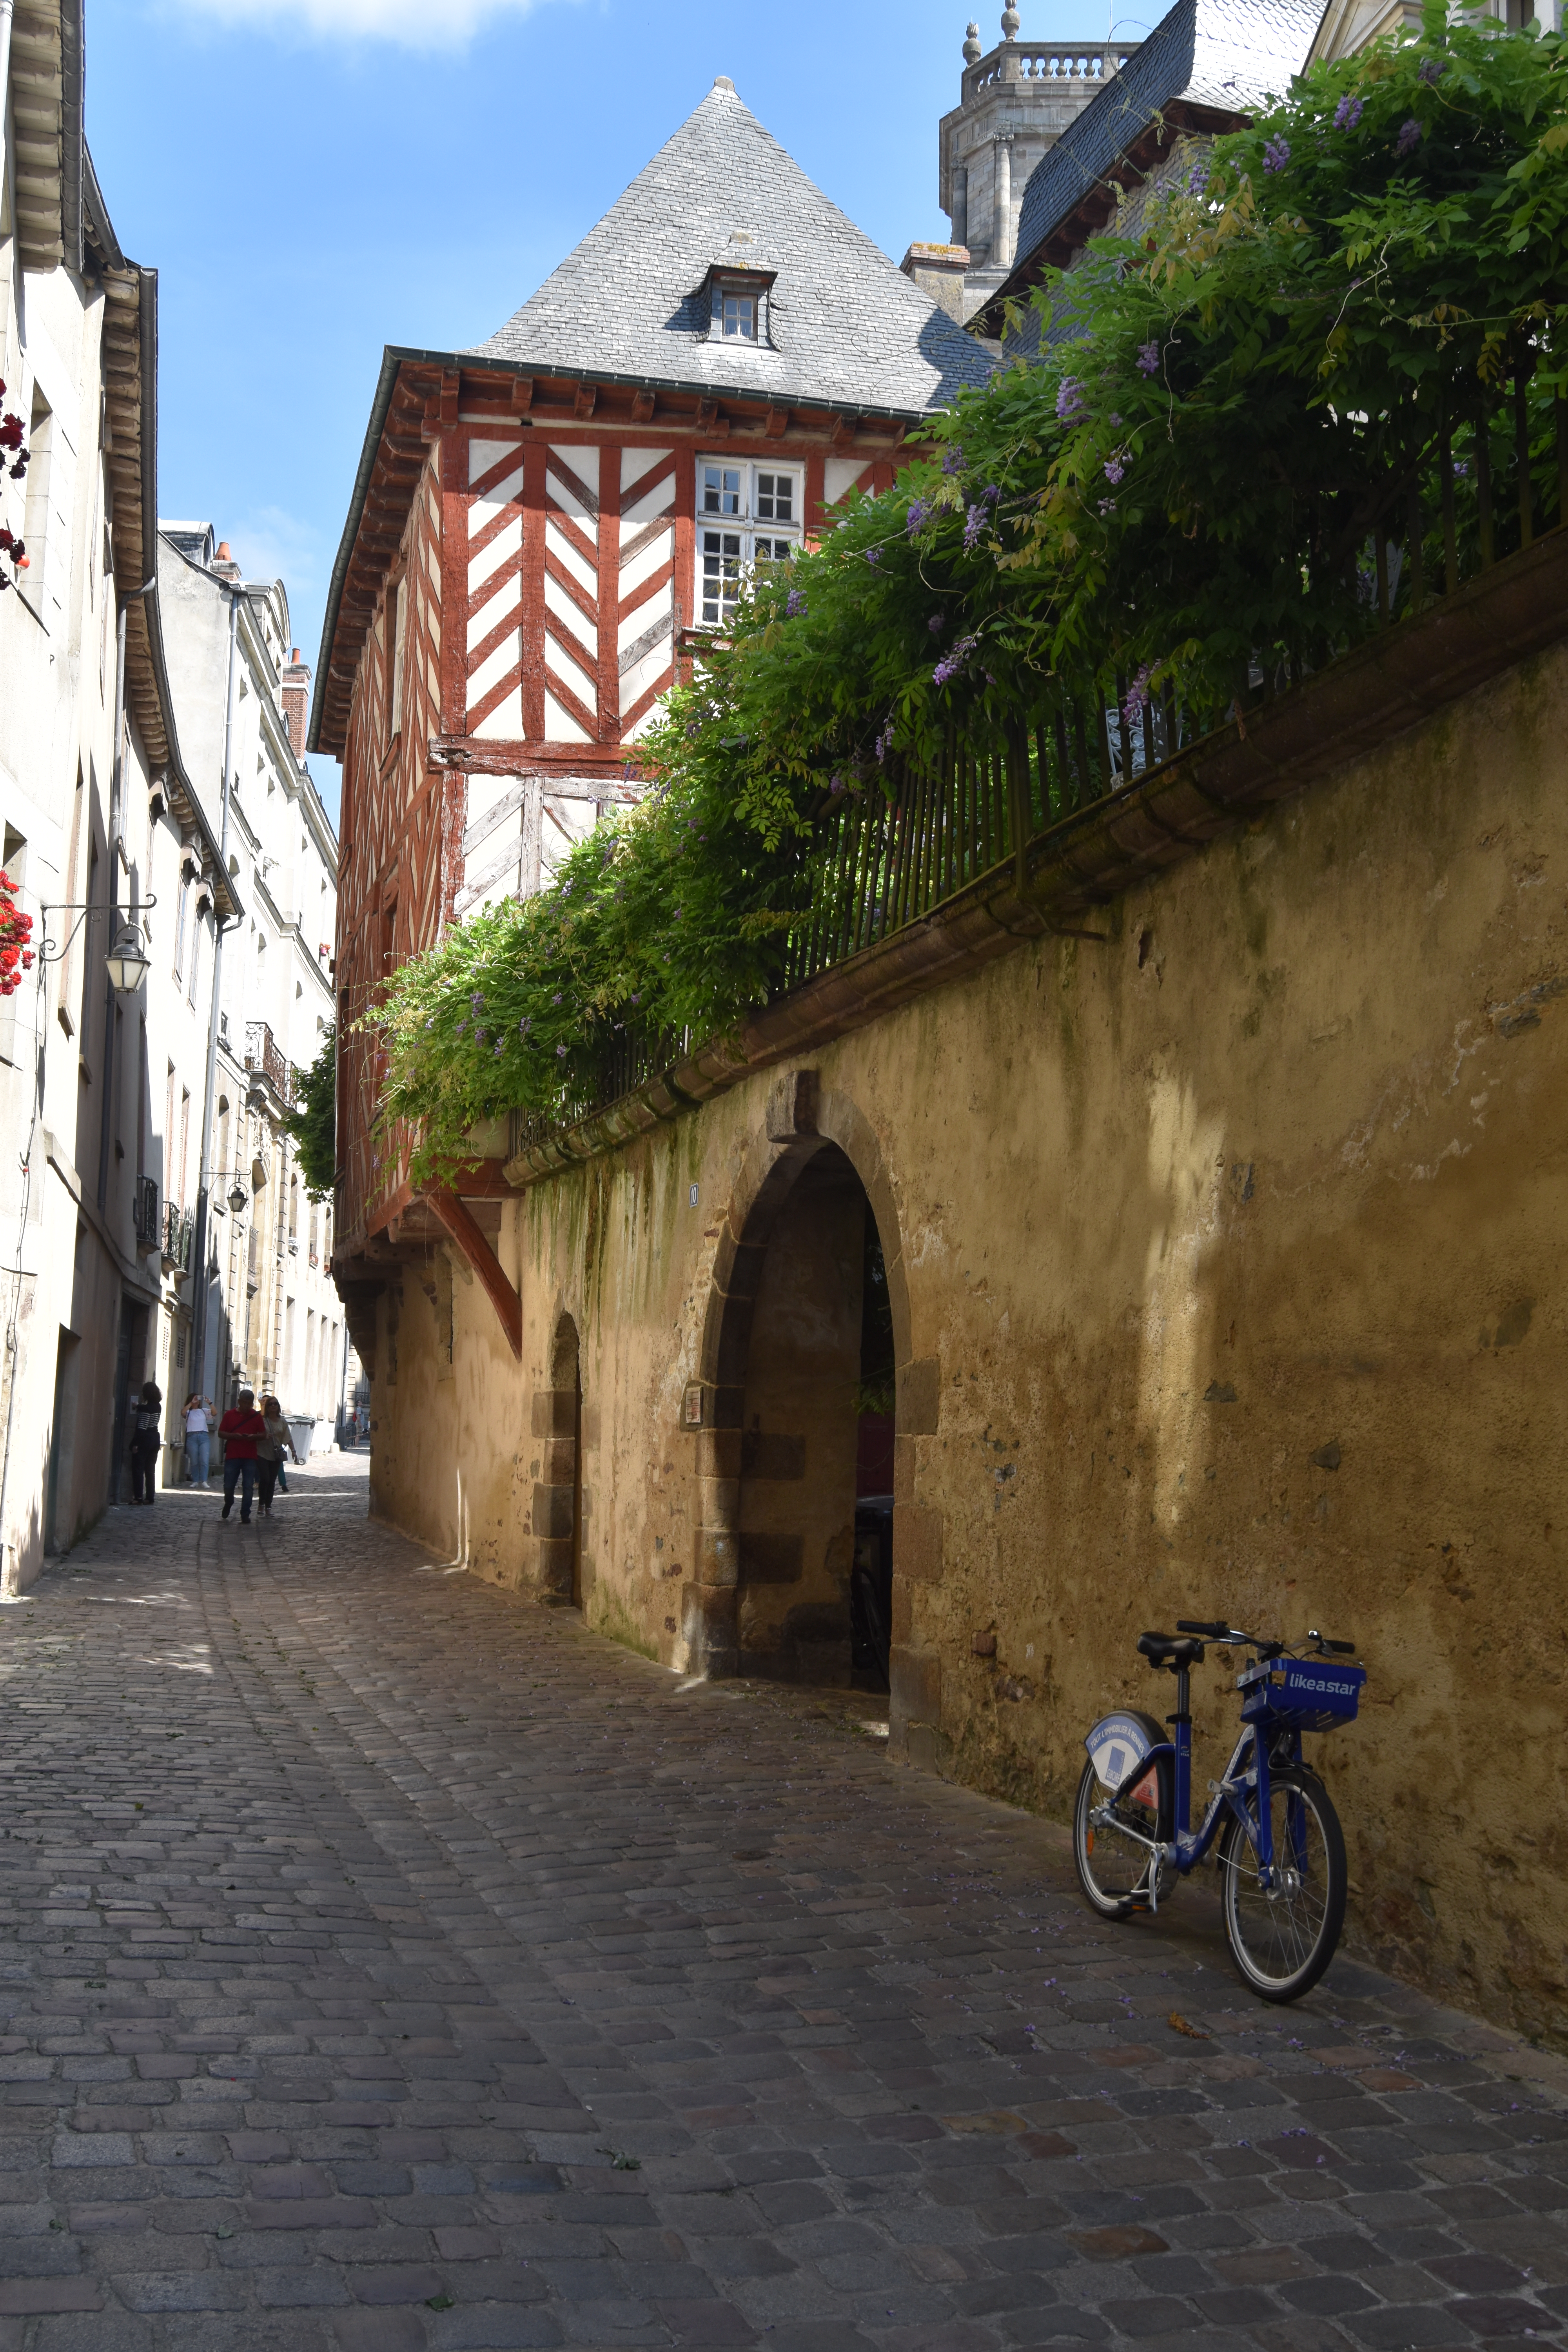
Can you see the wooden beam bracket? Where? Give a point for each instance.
(465, 1230)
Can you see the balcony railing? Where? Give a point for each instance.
(179, 1235)
(1080, 61)
(147, 1212)
(264, 1055)
(1484, 483)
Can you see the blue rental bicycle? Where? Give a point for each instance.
(1282, 1852)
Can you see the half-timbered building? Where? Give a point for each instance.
(543, 527)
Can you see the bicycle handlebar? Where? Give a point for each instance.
(1215, 1630)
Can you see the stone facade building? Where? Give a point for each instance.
(274, 1320)
(1017, 102)
(100, 813)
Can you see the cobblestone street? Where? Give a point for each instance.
(389, 1963)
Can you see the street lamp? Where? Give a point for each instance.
(127, 966)
(237, 1198)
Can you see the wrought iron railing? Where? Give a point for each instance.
(147, 1212)
(1482, 481)
(179, 1237)
(263, 1053)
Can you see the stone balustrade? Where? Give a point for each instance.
(1047, 61)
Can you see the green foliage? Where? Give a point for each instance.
(313, 1124)
(1183, 484)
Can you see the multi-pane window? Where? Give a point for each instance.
(741, 316)
(746, 515)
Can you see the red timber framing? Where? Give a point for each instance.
(518, 594)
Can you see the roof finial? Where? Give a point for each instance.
(1009, 21)
(971, 49)
(723, 81)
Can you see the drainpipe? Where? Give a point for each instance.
(199, 1243)
(115, 858)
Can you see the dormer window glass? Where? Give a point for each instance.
(738, 305)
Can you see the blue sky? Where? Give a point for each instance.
(315, 178)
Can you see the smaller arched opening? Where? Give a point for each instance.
(558, 1494)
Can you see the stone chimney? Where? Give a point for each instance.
(937, 270)
(223, 564)
(296, 700)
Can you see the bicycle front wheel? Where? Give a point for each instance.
(1282, 1936)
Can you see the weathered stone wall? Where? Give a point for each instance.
(1227, 1255)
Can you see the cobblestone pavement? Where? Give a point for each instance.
(388, 1963)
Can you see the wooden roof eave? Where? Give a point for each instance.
(1098, 204)
(130, 360)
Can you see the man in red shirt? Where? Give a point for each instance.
(240, 1429)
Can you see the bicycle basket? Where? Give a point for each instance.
(1301, 1694)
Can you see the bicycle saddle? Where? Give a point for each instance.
(1170, 1650)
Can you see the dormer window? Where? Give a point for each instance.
(739, 299)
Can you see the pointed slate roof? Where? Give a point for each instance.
(1213, 57)
(848, 329)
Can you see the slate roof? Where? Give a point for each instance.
(848, 329)
(1225, 57)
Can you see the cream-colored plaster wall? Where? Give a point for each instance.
(1229, 1255)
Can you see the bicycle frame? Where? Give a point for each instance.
(1186, 1848)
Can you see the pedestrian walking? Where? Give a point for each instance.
(240, 1428)
(197, 1414)
(285, 1437)
(277, 1439)
(146, 1442)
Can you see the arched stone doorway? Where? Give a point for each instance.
(558, 1494)
(806, 1332)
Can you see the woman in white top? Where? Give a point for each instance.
(198, 1414)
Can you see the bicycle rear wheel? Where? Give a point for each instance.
(1112, 1868)
(1282, 1937)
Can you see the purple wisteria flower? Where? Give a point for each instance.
(1198, 177)
(1070, 402)
(952, 460)
(1276, 152)
(920, 510)
(498, 1049)
(937, 623)
(989, 495)
(1348, 113)
(835, 783)
(478, 1037)
(523, 1026)
(1148, 359)
(1411, 134)
(1431, 69)
(795, 605)
(973, 524)
(460, 1029)
(560, 1050)
(953, 660)
(873, 556)
(477, 1001)
(1137, 697)
(884, 744)
(1114, 470)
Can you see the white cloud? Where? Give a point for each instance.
(269, 543)
(409, 23)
